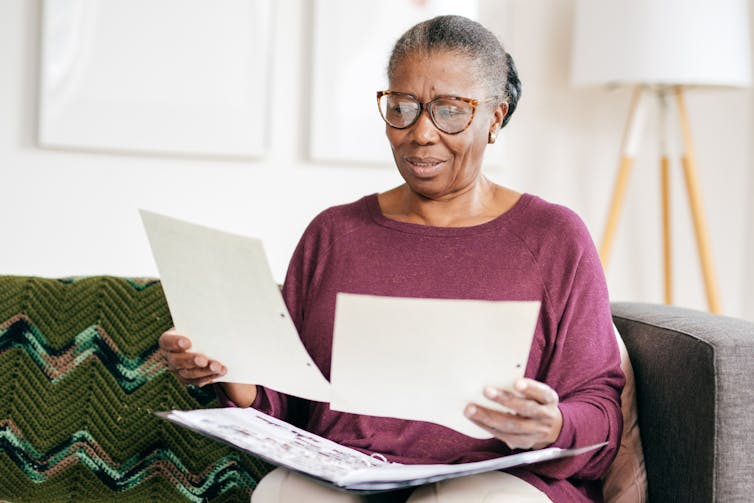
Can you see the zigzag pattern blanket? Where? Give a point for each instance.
(80, 376)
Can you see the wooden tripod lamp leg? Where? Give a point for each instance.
(619, 191)
(695, 202)
(666, 240)
(665, 199)
(628, 153)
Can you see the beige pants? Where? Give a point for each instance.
(283, 486)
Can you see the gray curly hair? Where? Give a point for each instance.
(469, 38)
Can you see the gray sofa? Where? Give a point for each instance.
(695, 389)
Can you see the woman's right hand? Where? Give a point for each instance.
(188, 367)
(197, 369)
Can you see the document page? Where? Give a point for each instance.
(222, 295)
(409, 358)
(426, 359)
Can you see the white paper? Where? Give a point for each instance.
(285, 445)
(426, 359)
(222, 295)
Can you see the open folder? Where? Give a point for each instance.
(325, 461)
(391, 356)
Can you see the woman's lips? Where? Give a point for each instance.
(424, 167)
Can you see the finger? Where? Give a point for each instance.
(198, 382)
(174, 342)
(209, 372)
(536, 390)
(178, 361)
(515, 431)
(192, 361)
(516, 437)
(520, 405)
(499, 422)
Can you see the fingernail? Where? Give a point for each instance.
(214, 367)
(491, 392)
(200, 362)
(182, 343)
(521, 385)
(470, 411)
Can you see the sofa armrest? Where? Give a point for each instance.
(695, 390)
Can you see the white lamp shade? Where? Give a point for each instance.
(663, 42)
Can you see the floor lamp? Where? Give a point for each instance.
(662, 47)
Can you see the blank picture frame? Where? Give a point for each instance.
(185, 77)
(350, 50)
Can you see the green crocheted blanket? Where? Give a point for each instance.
(80, 376)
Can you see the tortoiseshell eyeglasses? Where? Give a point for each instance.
(449, 114)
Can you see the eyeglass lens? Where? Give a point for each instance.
(450, 115)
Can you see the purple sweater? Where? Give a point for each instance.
(534, 251)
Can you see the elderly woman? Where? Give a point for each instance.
(449, 232)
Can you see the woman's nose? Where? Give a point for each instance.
(424, 130)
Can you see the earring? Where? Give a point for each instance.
(492, 136)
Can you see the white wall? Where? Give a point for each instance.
(74, 213)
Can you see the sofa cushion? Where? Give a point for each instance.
(80, 376)
(626, 479)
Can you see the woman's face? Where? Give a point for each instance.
(434, 164)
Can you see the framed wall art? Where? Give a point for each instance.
(185, 77)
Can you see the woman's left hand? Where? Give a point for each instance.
(536, 423)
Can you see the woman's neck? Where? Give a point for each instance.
(477, 204)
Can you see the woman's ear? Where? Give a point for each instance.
(500, 112)
(498, 115)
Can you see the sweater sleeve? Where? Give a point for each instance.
(583, 365)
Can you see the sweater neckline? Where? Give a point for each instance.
(375, 212)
